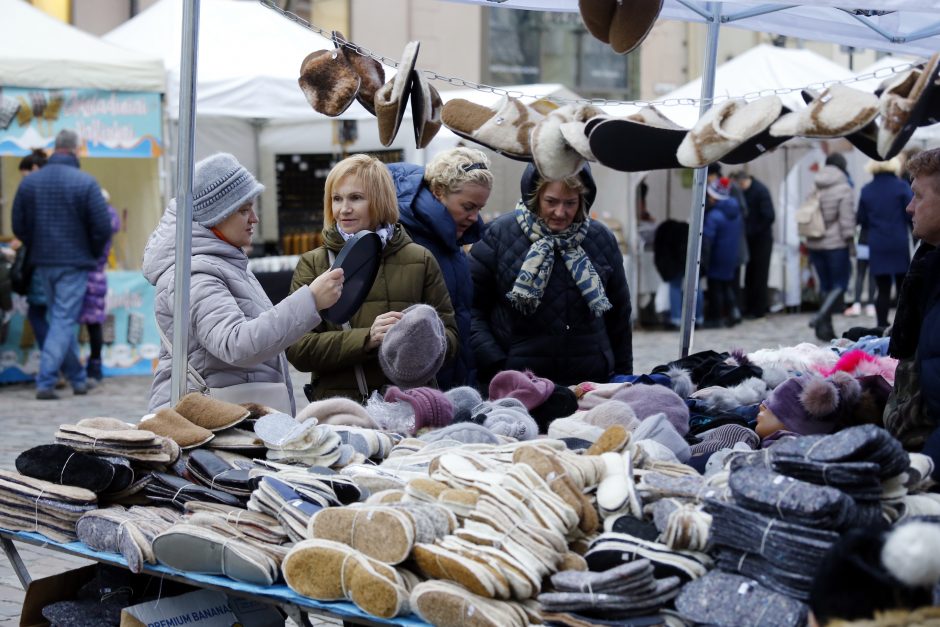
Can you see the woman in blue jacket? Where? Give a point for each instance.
(440, 206)
(882, 212)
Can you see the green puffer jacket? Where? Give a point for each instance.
(407, 275)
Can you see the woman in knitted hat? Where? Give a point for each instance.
(440, 207)
(359, 195)
(550, 292)
(236, 335)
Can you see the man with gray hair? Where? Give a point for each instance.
(62, 218)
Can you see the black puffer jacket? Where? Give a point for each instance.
(562, 340)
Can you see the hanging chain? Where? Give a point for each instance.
(881, 73)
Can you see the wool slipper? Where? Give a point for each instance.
(194, 549)
(446, 604)
(314, 569)
(839, 111)
(431, 521)
(337, 411)
(425, 490)
(616, 493)
(328, 81)
(726, 126)
(576, 135)
(170, 424)
(560, 483)
(382, 533)
(865, 139)
(614, 439)
(257, 525)
(371, 73)
(210, 413)
(647, 127)
(426, 105)
(438, 563)
(61, 464)
(460, 502)
(903, 106)
(237, 440)
(488, 564)
(554, 157)
(391, 99)
(521, 584)
(374, 589)
(504, 129)
(747, 151)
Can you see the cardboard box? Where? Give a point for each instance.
(42, 592)
(205, 608)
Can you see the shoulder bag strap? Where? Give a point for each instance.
(360, 374)
(193, 374)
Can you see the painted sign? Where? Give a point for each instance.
(110, 123)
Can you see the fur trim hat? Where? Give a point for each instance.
(811, 405)
(726, 126)
(329, 82)
(220, 186)
(413, 350)
(524, 386)
(649, 400)
(432, 409)
(839, 111)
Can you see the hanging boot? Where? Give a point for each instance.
(823, 326)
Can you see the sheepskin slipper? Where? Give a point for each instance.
(614, 439)
(210, 413)
(61, 464)
(170, 424)
(554, 157)
(726, 126)
(328, 81)
(426, 105)
(903, 106)
(237, 439)
(375, 588)
(623, 26)
(371, 73)
(436, 562)
(391, 98)
(659, 136)
(446, 604)
(505, 129)
(193, 549)
(382, 533)
(616, 493)
(560, 483)
(838, 112)
(576, 134)
(752, 148)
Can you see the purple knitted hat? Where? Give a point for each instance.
(432, 409)
(647, 400)
(524, 386)
(811, 405)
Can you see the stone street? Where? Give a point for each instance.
(26, 422)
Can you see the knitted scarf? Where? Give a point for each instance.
(529, 287)
(384, 231)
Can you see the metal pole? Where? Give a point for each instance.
(184, 199)
(694, 247)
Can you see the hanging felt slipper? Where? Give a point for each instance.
(555, 158)
(392, 97)
(659, 136)
(838, 112)
(726, 126)
(504, 129)
(328, 81)
(904, 105)
(371, 73)
(623, 25)
(426, 108)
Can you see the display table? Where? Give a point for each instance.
(279, 594)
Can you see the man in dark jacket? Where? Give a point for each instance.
(60, 214)
(758, 226)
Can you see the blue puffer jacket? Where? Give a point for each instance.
(430, 225)
(60, 214)
(722, 234)
(882, 210)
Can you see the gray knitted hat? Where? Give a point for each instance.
(414, 348)
(220, 186)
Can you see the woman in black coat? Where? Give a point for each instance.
(550, 291)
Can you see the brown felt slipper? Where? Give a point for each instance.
(505, 128)
(314, 568)
(210, 413)
(436, 562)
(614, 439)
(446, 604)
(168, 423)
(382, 533)
(329, 82)
(379, 591)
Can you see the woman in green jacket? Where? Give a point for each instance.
(360, 195)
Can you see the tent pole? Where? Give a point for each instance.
(694, 247)
(184, 198)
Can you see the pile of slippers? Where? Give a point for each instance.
(52, 509)
(129, 532)
(65, 465)
(307, 442)
(109, 436)
(173, 490)
(195, 420)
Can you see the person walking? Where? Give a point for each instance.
(758, 227)
(882, 213)
(61, 215)
(721, 234)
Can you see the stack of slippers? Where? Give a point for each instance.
(281, 501)
(562, 483)
(64, 465)
(307, 443)
(238, 440)
(616, 492)
(314, 487)
(460, 502)
(108, 436)
(216, 521)
(332, 571)
(374, 478)
(654, 486)
(257, 525)
(210, 470)
(630, 589)
(176, 491)
(129, 532)
(721, 599)
(447, 604)
(196, 549)
(611, 549)
(28, 504)
(369, 443)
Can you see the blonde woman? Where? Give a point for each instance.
(359, 196)
(440, 207)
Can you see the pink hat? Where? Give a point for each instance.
(524, 386)
(432, 409)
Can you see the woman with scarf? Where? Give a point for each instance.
(550, 292)
(359, 195)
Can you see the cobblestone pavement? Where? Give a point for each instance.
(26, 422)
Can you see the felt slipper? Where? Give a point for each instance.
(726, 126)
(170, 424)
(439, 563)
(647, 127)
(446, 604)
(392, 97)
(504, 129)
(329, 82)
(839, 111)
(61, 464)
(237, 439)
(210, 413)
(194, 549)
(904, 106)
(313, 568)
(426, 105)
(554, 157)
(381, 533)
(371, 73)
(374, 588)
(622, 25)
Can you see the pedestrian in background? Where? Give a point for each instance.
(721, 234)
(758, 228)
(36, 296)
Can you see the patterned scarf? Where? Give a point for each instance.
(527, 291)
(385, 232)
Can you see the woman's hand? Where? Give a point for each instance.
(380, 327)
(327, 288)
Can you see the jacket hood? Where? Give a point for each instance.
(423, 214)
(160, 252)
(830, 175)
(531, 176)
